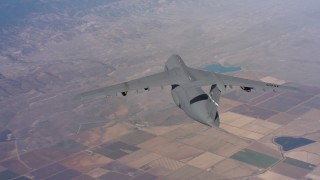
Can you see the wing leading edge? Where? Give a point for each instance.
(178, 76)
(173, 76)
(209, 78)
(235, 81)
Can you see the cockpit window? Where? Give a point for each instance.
(199, 98)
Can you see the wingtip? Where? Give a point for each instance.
(299, 90)
(294, 89)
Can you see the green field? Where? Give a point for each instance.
(254, 158)
(300, 164)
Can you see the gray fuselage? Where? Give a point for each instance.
(192, 100)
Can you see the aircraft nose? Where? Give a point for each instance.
(216, 123)
(200, 114)
(213, 123)
(206, 119)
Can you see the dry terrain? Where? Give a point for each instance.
(50, 51)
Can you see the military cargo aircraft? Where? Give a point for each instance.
(187, 94)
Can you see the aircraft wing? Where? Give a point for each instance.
(235, 81)
(173, 76)
(209, 78)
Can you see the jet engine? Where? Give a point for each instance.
(175, 95)
(248, 89)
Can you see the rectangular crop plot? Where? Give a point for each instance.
(253, 111)
(290, 170)
(297, 95)
(118, 145)
(261, 98)
(52, 153)
(145, 176)
(70, 146)
(115, 175)
(67, 174)
(22, 178)
(33, 160)
(313, 103)
(299, 163)
(7, 174)
(15, 165)
(121, 168)
(48, 171)
(116, 154)
(280, 103)
(115, 150)
(310, 89)
(136, 137)
(254, 158)
(299, 110)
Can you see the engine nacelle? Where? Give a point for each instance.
(124, 93)
(175, 95)
(247, 89)
(221, 87)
